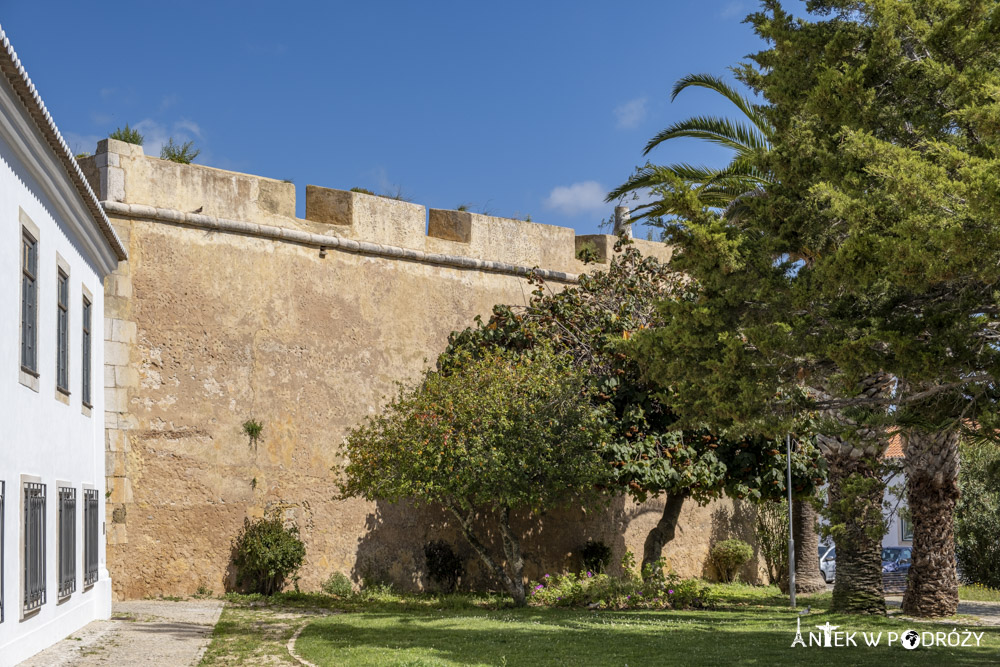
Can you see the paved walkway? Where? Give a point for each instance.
(148, 632)
(988, 612)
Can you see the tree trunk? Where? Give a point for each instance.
(808, 578)
(515, 560)
(856, 491)
(932, 490)
(662, 532)
(515, 584)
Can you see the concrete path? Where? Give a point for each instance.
(139, 633)
(988, 612)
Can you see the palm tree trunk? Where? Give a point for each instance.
(662, 532)
(856, 490)
(932, 490)
(808, 578)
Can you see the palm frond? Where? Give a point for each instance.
(739, 137)
(653, 176)
(752, 111)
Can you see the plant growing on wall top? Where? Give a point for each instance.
(183, 153)
(127, 134)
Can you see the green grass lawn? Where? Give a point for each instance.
(747, 625)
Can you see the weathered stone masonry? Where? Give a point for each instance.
(232, 308)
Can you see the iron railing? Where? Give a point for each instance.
(67, 541)
(90, 537)
(34, 546)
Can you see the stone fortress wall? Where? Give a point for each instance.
(232, 308)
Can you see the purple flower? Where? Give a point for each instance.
(546, 576)
(671, 591)
(539, 587)
(589, 573)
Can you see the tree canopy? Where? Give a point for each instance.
(497, 434)
(648, 454)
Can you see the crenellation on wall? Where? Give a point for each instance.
(123, 174)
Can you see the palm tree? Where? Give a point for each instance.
(727, 188)
(723, 188)
(931, 465)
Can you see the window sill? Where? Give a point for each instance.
(29, 380)
(87, 410)
(62, 395)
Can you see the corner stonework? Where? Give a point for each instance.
(120, 375)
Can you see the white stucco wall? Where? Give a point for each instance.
(42, 436)
(895, 499)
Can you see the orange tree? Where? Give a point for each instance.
(497, 434)
(648, 454)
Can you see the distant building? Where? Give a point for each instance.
(899, 527)
(55, 250)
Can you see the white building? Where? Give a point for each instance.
(899, 528)
(56, 247)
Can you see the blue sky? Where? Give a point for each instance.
(514, 108)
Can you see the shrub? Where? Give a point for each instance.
(128, 135)
(600, 591)
(182, 153)
(729, 556)
(772, 537)
(252, 430)
(266, 553)
(364, 191)
(338, 584)
(444, 567)
(977, 515)
(596, 556)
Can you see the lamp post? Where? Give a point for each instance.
(791, 530)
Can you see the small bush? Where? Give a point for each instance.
(128, 135)
(600, 591)
(338, 584)
(266, 553)
(182, 153)
(252, 429)
(772, 538)
(444, 567)
(729, 556)
(364, 191)
(596, 556)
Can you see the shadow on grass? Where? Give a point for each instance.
(560, 637)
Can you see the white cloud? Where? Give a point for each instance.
(735, 9)
(189, 126)
(156, 134)
(631, 113)
(576, 198)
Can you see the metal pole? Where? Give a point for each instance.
(791, 529)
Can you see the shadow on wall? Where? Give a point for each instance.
(392, 549)
(740, 523)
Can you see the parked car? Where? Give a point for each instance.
(828, 562)
(897, 559)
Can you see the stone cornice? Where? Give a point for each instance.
(326, 242)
